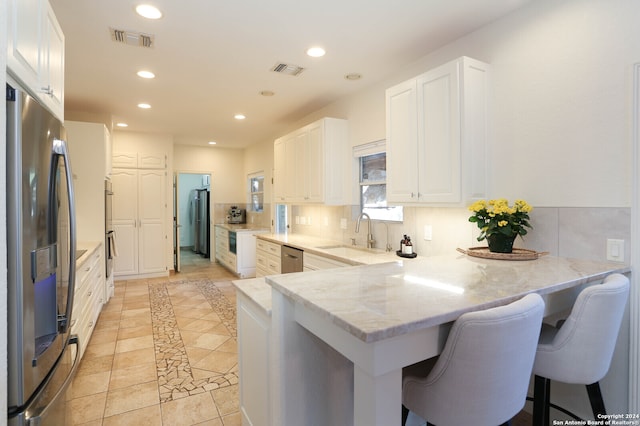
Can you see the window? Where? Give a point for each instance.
(256, 192)
(373, 183)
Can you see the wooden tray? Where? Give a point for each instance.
(517, 254)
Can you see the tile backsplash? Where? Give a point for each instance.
(561, 231)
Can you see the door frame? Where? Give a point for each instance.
(176, 214)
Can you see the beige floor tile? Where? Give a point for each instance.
(230, 345)
(199, 374)
(202, 326)
(196, 354)
(89, 384)
(144, 312)
(131, 332)
(221, 329)
(232, 420)
(110, 316)
(104, 335)
(104, 324)
(131, 398)
(135, 322)
(217, 361)
(202, 340)
(87, 408)
(136, 357)
(148, 416)
(134, 343)
(134, 375)
(95, 349)
(95, 365)
(227, 400)
(190, 410)
(214, 422)
(186, 311)
(134, 303)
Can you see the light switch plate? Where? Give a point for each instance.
(343, 223)
(615, 250)
(428, 232)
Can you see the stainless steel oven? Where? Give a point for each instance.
(232, 242)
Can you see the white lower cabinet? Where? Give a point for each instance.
(138, 221)
(89, 296)
(241, 260)
(267, 258)
(254, 333)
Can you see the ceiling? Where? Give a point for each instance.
(212, 58)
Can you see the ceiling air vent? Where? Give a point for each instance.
(287, 69)
(131, 38)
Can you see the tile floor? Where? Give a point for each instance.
(164, 353)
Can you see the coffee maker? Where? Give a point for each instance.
(237, 215)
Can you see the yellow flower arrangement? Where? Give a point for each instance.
(497, 217)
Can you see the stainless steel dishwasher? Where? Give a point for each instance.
(291, 259)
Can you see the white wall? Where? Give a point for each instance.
(3, 215)
(225, 165)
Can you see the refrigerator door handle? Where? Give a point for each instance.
(60, 150)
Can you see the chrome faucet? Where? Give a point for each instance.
(370, 241)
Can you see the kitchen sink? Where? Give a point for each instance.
(345, 251)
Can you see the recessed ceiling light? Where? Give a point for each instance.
(239, 116)
(267, 93)
(316, 52)
(353, 76)
(144, 106)
(212, 143)
(148, 11)
(122, 125)
(146, 74)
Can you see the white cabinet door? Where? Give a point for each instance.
(438, 99)
(402, 143)
(314, 167)
(23, 43)
(35, 51)
(301, 161)
(52, 63)
(138, 221)
(125, 220)
(151, 207)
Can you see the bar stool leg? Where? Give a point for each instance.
(595, 398)
(405, 415)
(541, 399)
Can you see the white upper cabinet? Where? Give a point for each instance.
(311, 164)
(35, 51)
(437, 136)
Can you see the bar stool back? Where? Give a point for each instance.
(481, 377)
(580, 349)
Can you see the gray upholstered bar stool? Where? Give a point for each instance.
(482, 376)
(579, 351)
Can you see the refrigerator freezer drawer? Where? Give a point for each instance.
(48, 406)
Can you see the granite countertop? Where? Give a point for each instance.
(352, 255)
(242, 227)
(257, 290)
(89, 247)
(376, 302)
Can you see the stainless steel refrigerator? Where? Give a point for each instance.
(41, 245)
(199, 219)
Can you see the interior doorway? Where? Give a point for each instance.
(191, 216)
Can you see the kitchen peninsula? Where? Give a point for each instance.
(339, 338)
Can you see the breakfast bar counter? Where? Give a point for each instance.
(340, 338)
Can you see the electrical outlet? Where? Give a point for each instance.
(615, 250)
(428, 232)
(343, 223)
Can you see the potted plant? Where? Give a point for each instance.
(500, 223)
